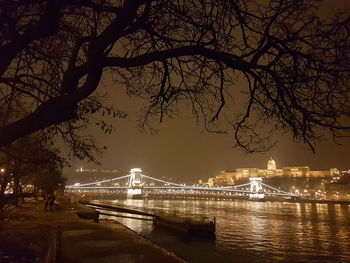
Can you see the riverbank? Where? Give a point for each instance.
(31, 234)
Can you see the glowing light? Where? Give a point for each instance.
(136, 186)
(271, 165)
(135, 170)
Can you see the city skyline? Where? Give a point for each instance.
(206, 170)
(175, 131)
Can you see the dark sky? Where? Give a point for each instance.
(182, 151)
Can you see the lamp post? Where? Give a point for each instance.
(2, 172)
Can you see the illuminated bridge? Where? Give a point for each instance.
(137, 185)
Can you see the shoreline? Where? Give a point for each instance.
(30, 234)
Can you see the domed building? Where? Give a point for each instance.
(271, 164)
(229, 178)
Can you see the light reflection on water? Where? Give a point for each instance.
(254, 231)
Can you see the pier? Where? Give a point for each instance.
(185, 225)
(190, 227)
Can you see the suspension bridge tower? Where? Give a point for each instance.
(256, 188)
(135, 184)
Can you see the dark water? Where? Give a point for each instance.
(254, 231)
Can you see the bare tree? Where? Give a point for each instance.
(26, 160)
(294, 64)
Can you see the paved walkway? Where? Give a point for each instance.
(61, 236)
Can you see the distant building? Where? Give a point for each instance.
(296, 171)
(227, 178)
(271, 165)
(242, 173)
(339, 186)
(82, 175)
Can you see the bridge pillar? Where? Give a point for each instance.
(256, 188)
(135, 184)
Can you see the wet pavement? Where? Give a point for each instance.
(33, 235)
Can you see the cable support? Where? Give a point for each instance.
(235, 186)
(275, 189)
(280, 194)
(161, 181)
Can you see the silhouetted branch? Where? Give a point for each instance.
(293, 64)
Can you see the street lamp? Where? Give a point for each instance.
(2, 170)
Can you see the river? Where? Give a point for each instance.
(253, 231)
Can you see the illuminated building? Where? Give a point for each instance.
(339, 186)
(298, 171)
(227, 178)
(271, 165)
(82, 175)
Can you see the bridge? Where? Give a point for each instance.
(138, 185)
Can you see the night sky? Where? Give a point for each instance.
(184, 152)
